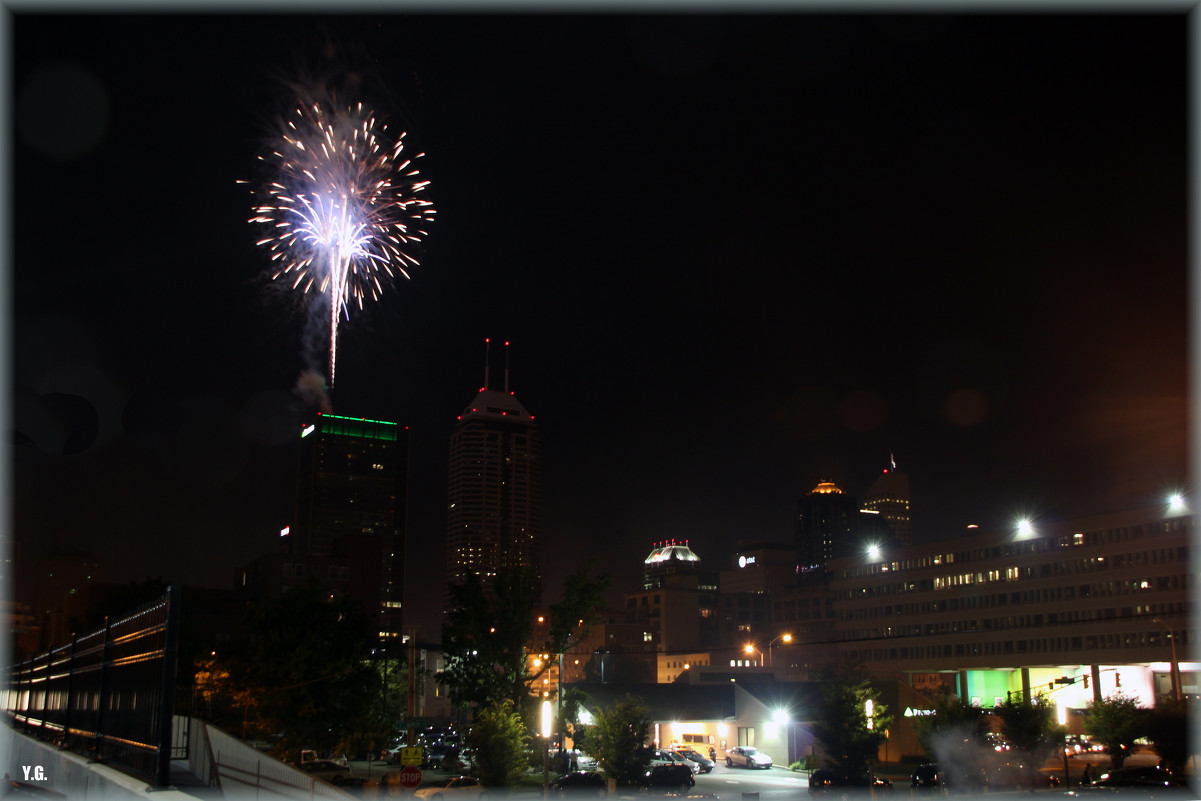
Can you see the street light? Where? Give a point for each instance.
(785, 638)
(545, 748)
(750, 649)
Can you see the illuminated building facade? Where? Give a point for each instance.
(494, 498)
(351, 484)
(888, 497)
(677, 607)
(1102, 602)
(825, 527)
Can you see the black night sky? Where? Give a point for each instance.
(735, 255)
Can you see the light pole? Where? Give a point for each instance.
(750, 649)
(869, 707)
(545, 748)
(784, 638)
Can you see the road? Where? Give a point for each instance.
(776, 784)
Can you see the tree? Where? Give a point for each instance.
(498, 738)
(850, 738)
(1116, 721)
(618, 740)
(955, 735)
(1030, 727)
(1168, 731)
(303, 658)
(487, 634)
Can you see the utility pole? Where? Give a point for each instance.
(411, 709)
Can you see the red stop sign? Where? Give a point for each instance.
(410, 777)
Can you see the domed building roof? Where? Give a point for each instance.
(826, 488)
(671, 551)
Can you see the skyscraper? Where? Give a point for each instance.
(494, 499)
(826, 518)
(888, 496)
(352, 477)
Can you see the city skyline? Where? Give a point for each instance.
(735, 256)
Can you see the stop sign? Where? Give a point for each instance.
(410, 777)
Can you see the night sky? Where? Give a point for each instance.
(735, 255)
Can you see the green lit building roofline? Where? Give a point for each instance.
(357, 419)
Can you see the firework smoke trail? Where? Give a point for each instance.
(345, 210)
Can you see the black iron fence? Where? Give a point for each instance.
(108, 694)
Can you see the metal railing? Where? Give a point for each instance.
(109, 694)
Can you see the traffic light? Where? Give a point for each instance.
(1086, 682)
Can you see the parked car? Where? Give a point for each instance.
(580, 784)
(827, 781)
(437, 756)
(1141, 782)
(747, 756)
(392, 755)
(676, 776)
(704, 763)
(461, 762)
(1144, 774)
(328, 770)
(663, 756)
(456, 788)
(927, 776)
(1017, 775)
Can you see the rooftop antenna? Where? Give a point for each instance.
(506, 367)
(487, 350)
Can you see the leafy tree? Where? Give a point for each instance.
(571, 704)
(618, 740)
(374, 732)
(1116, 721)
(955, 735)
(843, 728)
(1168, 730)
(487, 634)
(1030, 727)
(303, 658)
(498, 738)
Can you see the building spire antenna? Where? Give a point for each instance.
(506, 367)
(487, 350)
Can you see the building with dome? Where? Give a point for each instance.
(668, 559)
(494, 498)
(678, 604)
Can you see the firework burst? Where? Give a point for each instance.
(344, 211)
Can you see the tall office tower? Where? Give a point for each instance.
(352, 479)
(494, 498)
(826, 518)
(888, 497)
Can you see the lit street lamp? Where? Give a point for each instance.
(784, 638)
(750, 649)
